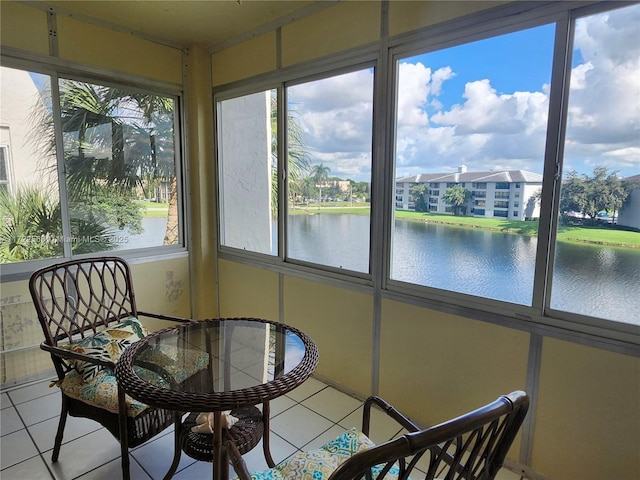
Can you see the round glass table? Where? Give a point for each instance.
(241, 362)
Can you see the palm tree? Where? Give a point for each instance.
(115, 142)
(32, 228)
(298, 164)
(457, 197)
(320, 174)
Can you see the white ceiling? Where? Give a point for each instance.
(182, 23)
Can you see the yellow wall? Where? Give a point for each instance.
(407, 16)
(160, 287)
(94, 45)
(24, 28)
(455, 364)
(588, 417)
(248, 292)
(246, 59)
(345, 26)
(341, 324)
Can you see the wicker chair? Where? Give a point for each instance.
(79, 302)
(470, 447)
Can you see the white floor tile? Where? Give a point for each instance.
(35, 390)
(85, 454)
(40, 409)
(280, 450)
(308, 388)
(332, 404)
(32, 469)
(299, 425)
(280, 404)
(10, 421)
(16, 447)
(113, 470)
(195, 471)
(6, 403)
(44, 433)
(156, 456)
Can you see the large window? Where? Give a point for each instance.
(108, 183)
(327, 144)
(597, 253)
(472, 127)
(475, 115)
(329, 210)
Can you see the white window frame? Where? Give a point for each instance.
(63, 70)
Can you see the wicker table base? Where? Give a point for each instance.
(245, 434)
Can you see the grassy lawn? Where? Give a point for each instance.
(153, 209)
(588, 234)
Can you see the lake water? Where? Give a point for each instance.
(593, 280)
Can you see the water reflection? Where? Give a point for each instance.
(592, 280)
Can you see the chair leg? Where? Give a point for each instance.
(124, 434)
(61, 423)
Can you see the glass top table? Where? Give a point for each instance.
(248, 361)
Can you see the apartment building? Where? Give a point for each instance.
(508, 194)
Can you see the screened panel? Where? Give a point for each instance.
(469, 152)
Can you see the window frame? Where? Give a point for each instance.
(537, 318)
(57, 71)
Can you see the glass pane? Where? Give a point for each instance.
(120, 157)
(597, 261)
(329, 136)
(247, 134)
(469, 153)
(31, 226)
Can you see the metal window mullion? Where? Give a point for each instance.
(552, 174)
(283, 170)
(381, 170)
(61, 166)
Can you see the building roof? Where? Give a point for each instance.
(458, 177)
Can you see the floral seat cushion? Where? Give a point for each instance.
(106, 345)
(319, 464)
(102, 390)
(97, 385)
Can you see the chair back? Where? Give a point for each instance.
(471, 447)
(81, 297)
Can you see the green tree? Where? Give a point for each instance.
(419, 196)
(604, 191)
(458, 197)
(298, 159)
(115, 142)
(320, 174)
(31, 228)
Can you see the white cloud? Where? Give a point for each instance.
(486, 128)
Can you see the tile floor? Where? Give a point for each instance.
(307, 417)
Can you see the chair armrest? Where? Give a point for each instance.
(389, 410)
(71, 355)
(165, 317)
(236, 460)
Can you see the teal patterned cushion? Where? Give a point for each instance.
(106, 345)
(321, 463)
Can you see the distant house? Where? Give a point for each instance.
(629, 215)
(503, 194)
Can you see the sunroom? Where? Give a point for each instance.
(158, 132)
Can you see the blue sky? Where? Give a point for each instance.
(485, 105)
